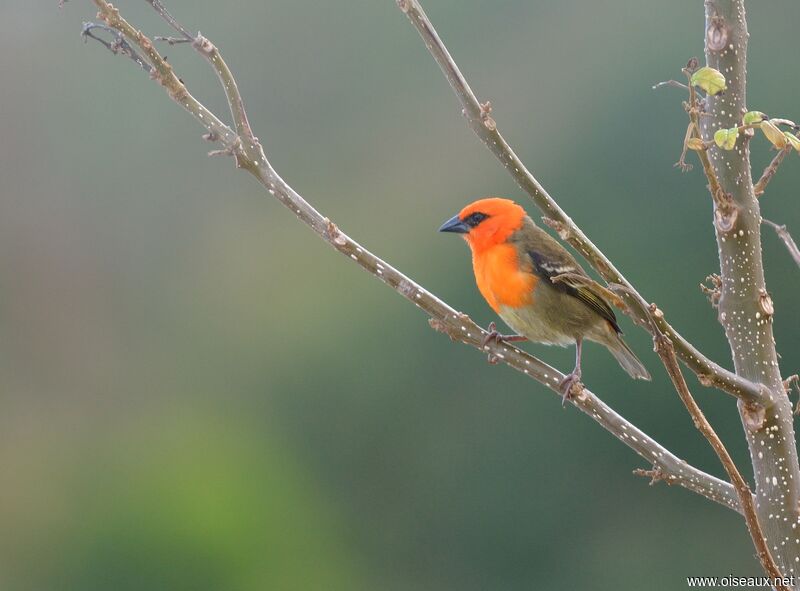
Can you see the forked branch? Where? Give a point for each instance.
(485, 127)
(754, 398)
(665, 350)
(250, 155)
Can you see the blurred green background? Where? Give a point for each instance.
(197, 393)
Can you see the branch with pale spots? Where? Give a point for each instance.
(745, 309)
(754, 413)
(485, 127)
(751, 393)
(250, 156)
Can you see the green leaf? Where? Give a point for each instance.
(753, 117)
(793, 140)
(726, 138)
(710, 80)
(773, 134)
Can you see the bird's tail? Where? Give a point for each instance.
(627, 359)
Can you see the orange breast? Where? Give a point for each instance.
(499, 278)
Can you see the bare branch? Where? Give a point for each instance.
(673, 83)
(162, 73)
(442, 317)
(745, 308)
(163, 13)
(487, 131)
(172, 40)
(665, 350)
(787, 239)
(770, 171)
(118, 45)
(207, 49)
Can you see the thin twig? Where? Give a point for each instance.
(787, 386)
(118, 45)
(442, 317)
(770, 170)
(207, 49)
(486, 130)
(673, 83)
(787, 239)
(164, 14)
(172, 40)
(163, 73)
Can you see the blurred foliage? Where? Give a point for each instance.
(199, 394)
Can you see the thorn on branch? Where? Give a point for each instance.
(116, 46)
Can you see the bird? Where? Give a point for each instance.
(515, 262)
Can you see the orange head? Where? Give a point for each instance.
(486, 222)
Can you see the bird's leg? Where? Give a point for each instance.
(499, 338)
(571, 384)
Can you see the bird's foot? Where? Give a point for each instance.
(498, 338)
(570, 386)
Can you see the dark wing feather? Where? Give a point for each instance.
(547, 268)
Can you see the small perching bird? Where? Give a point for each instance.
(515, 262)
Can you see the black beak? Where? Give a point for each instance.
(454, 224)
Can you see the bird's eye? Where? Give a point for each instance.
(474, 219)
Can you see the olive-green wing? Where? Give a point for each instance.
(547, 268)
